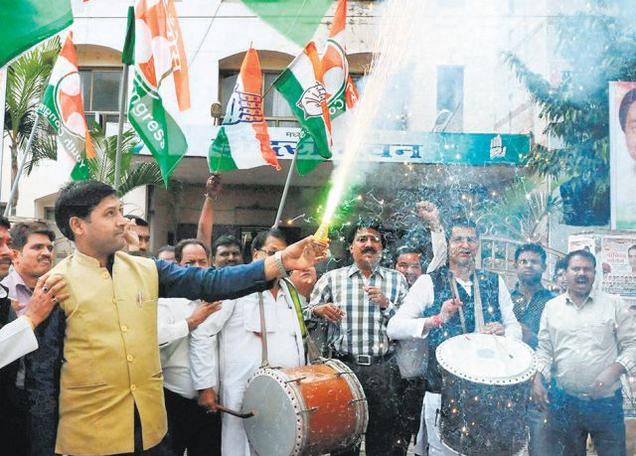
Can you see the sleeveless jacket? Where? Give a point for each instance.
(489, 291)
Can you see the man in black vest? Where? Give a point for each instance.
(430, 311)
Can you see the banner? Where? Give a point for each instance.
(622, 121)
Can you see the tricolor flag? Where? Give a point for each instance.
(342, 95)
(161, 89)
(302, 85)
(243, 140)
(62, 106)
(27, 22)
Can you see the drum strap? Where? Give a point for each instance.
(453, 284)
(261, 310)
(312, 349)
(479, 311)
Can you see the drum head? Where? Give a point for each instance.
(275, 428)
(487, 359)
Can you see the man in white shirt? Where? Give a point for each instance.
(587, 340)
(430, 311)
(240, 345)
(190, 427)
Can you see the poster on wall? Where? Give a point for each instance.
(622, 122)
(618, 259)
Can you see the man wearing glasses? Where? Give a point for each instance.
(358, 301)
(431, 312)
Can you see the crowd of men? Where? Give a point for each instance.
(118, 351)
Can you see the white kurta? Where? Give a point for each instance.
(16, 340)
(238, 325)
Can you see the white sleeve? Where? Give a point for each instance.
(204, 348)
(169, 328)
(440, 250)
(16, 340)
(511, 325)
(408, 323)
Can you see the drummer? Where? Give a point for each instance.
(429, 310)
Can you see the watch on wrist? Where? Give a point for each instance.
(278, 261)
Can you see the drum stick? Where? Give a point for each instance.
(229, 411)
(455, 293)
(261, 310)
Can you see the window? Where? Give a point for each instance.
(450, 98)
(100, 91)
(277, 111)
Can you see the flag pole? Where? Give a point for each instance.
(283, 198)
(126, 59)
(3, 96)
(27, 149)
(123, 95)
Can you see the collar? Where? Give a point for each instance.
(590, 299)
(13, 281)
(354, 268)
(93, 262)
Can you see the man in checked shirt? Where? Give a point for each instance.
(358, 301)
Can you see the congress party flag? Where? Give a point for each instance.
(62, 106)
(295, 19)
(342, 95)
(161, 91)
(302, 86)
(243, 140)
(27, 22)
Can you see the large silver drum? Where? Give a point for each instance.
(485, 392)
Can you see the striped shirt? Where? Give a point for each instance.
(362, 330)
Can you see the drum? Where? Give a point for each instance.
(485, 392)
(305, 410)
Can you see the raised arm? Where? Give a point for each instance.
(206, 219)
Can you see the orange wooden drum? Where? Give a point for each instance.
(306, 410)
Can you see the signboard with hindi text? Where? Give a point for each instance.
(395, 146)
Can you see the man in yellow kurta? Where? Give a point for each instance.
(95, 387)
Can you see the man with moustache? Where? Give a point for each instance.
(189, 426)
(529, 298)
(238, 328)
(32, 249)
(16, 333)
(587, 340)
(431, 312)
(226, 251)
(358, 301)
(98, 382)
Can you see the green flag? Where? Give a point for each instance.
(161, 90)
(27, 22)
(295, 19)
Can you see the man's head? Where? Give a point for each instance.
(463, 243)
(627, 118)
(192, 253)
(530, 263)
(304, 280)
(631, 257)
(559, 275)
(166, 252)
(408, 262)
(365, 244)
(267, 243)
(580, 272)
(32, 244)
(226, 251)
(89, 213)
(143, 232)
(5, 250)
